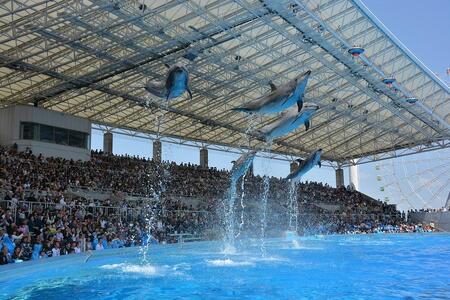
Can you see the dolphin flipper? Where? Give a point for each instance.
(273, 87)
(299, 105)
(319, 164)
(189, 92)
(307, 125)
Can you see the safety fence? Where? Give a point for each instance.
(123, 213)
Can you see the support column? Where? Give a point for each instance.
(339, 178)
(157, 151)
(294, 166)
(108, 142)
(354, 177)
(203, 157)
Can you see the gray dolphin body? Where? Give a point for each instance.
(289, 121)
(280, 98)
(175, 84)
(305, 166)
(242, 165)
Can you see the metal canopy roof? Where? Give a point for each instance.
(91, 59)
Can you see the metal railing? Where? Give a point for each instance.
(126, 213)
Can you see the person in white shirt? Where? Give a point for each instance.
(77, 248)
(99, 245)
(56, 251)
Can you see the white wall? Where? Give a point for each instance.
(11, 117)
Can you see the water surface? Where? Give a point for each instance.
(403, 266)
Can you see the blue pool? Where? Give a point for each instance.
(404, 266)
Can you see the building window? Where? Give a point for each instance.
(77, 139)
(29, 130)
(55, 135)
(47, 133)
(62, 136)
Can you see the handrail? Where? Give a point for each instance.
(100, 206)
(108, 210)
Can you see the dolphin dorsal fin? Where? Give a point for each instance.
(273, 87)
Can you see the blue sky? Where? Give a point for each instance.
(423, 27)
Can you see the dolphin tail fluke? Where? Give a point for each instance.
(241, 109)
(155, 88)
(190, 93)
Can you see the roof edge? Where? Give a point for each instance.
(366, 11)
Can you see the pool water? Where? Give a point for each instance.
(383, 266)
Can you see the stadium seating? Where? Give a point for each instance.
(53, 206)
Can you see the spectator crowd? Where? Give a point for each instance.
(53, 206)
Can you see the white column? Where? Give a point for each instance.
(354, 177)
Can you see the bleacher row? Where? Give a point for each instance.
(53, 206)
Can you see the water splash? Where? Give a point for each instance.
(293, 207)
(265, 194)
(241, 224)
(151, 207)
(229, 216)
(228, 263)
(144, 270)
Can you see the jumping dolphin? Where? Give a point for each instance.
(241, 166)
(176, 83)
(289, 121)
(280, 98)
(305, 166)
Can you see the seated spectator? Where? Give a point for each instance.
(18, 254)
(56, 250)
(5, 256)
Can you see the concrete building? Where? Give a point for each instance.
(45, 132)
